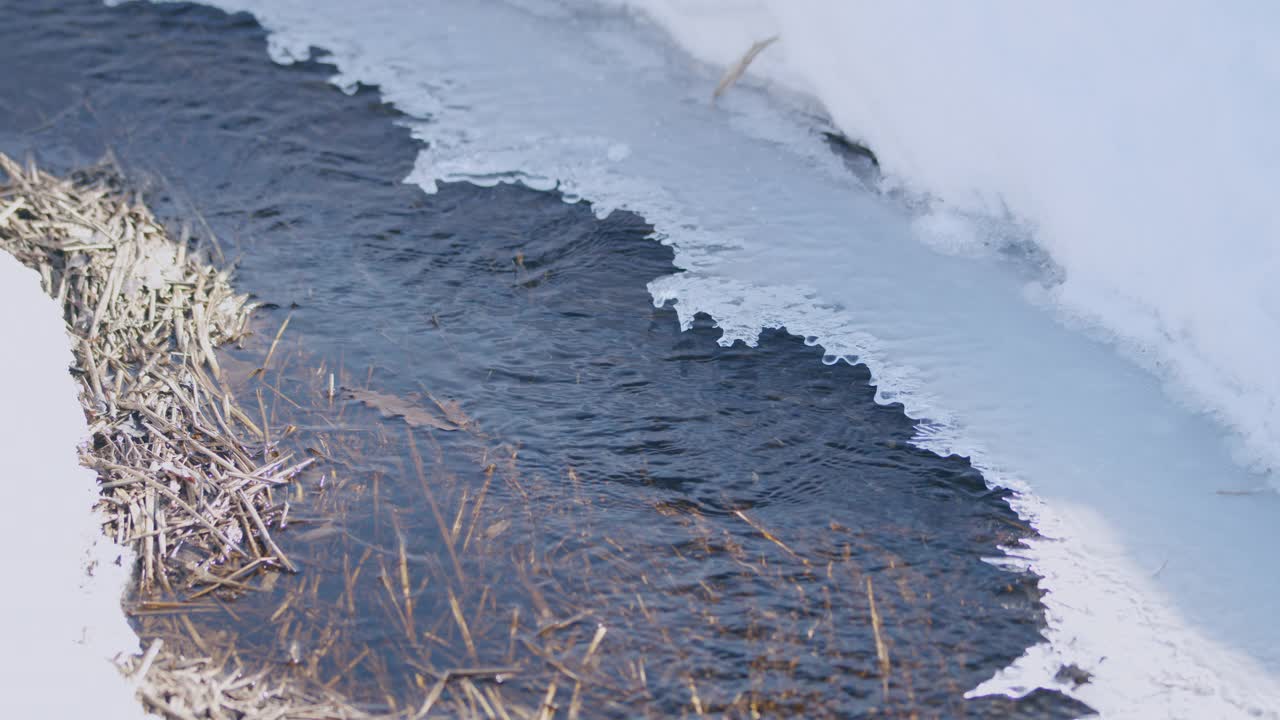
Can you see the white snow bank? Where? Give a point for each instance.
(1137, 137)
(60, 614)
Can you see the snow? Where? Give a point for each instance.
(1136, 137)
(60, 613)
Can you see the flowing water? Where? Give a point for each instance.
(520, 448)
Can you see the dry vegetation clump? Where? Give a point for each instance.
(187, 476)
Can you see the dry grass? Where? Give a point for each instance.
(735, 71)
(188, 479)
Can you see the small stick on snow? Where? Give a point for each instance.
(740, 67)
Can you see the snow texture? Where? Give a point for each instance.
(1137, 138)
(60, 613)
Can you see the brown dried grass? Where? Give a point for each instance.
(187, 476)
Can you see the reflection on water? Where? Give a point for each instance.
(533, 490)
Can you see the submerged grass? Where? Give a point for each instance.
(536, 602)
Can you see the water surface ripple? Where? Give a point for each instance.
(729, 514)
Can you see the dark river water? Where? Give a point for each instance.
(521, 449)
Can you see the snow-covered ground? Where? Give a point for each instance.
(60, 613)
(1135, 138)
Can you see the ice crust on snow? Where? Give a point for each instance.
(1137, 137)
